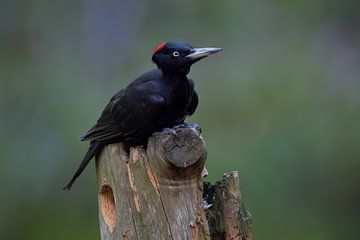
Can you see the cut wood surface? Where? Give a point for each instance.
(158, 193)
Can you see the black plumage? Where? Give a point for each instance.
(161, 98)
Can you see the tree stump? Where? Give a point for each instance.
(158, 193)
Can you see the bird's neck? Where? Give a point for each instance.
(174, 77)
(177, 72)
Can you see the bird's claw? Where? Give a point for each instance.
(173, 131)
(169, 131)
(189, 125)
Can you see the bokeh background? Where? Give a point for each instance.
(281, 104)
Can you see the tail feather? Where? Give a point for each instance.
(93, 149)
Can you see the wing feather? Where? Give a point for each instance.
(123, 116)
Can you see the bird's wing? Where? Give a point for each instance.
(125, 114)
(193, 104)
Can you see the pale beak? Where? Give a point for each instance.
(199, 53)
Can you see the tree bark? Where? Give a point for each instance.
(158, 193)
(227, 216)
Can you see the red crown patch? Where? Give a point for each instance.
(158, 48)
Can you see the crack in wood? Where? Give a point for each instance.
(133, 187)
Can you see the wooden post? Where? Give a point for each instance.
(227, 217)
(158, 193)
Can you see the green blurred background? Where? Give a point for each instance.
(281, 104)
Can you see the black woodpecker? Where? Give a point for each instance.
(161, 98)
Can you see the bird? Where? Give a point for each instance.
(159, 99)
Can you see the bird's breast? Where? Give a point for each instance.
(177, 102)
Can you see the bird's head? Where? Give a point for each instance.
(177, 57)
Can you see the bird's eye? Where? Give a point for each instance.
(176, 54)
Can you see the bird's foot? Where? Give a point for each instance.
(167, 131)
(189, 125)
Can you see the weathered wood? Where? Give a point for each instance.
(227, 216)
(157, 193)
